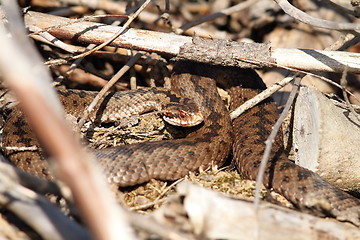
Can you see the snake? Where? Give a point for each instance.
(208, 141)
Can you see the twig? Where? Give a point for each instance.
(344, 41)
(27, 180)
(316, 22)
(85, 18)
(260, 97)
(76, 63)
(92, 48)
(35, 210)
(20, 149)
(121, 124)
(147, 205)
(158, 198)
(271, 138)
(277, 86)
(53, 40)
(343, 83)
(341, 8)
(122, 29)
(315, 60)
(106, 88)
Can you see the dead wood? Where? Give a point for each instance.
(168, 44)
(30, 82)
(326, 138)
(216, 216)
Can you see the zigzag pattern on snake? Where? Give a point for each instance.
(208, 144)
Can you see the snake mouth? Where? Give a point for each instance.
(184, 119)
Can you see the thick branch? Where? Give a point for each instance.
(168, 44)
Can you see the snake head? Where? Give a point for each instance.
(182, 115)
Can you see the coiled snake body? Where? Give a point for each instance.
(207, 144)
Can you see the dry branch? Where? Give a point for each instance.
(316, 22)
(106, 88)
(271, 139)
(27, 180)
(170, 45)
(27, 204)
(121, 30)
(30, 81)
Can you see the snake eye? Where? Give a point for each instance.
(182, 114)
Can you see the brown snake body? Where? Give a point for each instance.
(209, 144)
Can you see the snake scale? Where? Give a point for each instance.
(206, 145)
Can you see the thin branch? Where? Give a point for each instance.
(260, 97)
(122, 29)
(277, 86)
(77, 62)
(345, 41)
(343, 83)
(27, 180)
(269, 141)
(316, 22)
(53, 40)
(35, 211)
(106, 88)
(158, 199)
(316, 60)
(341, 8)
(85, 18)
